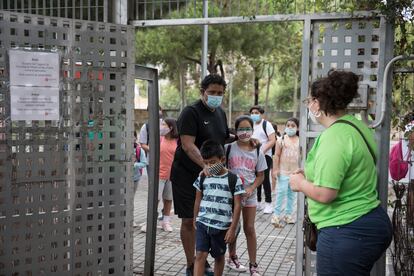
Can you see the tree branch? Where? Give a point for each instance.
(192, 59)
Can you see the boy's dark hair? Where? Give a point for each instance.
(258, 108)
(241, 119)
(213, 79)
(172, 123)
(211, 148)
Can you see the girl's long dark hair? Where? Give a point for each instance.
(172, 124)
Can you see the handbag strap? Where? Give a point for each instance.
(363, 137)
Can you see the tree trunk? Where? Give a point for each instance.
(211, 63)
(295, 95)
(270, 73)
(182, 88)
(256, 87)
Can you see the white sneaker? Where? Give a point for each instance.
(144, 228)
(290, 220)
(233, 263)
(166, 226)
(267, 208)
(259, 206)
(134, 224)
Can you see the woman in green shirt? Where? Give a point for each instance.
(340, 181)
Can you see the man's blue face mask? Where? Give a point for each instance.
(255, 117)
(214, 101)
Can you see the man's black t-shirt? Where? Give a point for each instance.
(198, 121)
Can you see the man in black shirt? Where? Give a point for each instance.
(201, 121)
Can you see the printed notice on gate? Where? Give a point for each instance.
(34, 68)
(34, 103)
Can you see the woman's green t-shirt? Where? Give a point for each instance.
(340, 159)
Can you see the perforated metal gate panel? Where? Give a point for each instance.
(65, 186)
(357, 45)
(351, 45)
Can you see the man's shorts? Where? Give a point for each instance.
(209, 239)
(250, 201)
(183, 190)
(165, 190)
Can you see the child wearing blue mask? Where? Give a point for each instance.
(286, 162)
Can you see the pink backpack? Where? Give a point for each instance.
(398, 166)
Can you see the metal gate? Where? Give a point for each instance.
(364, 46)
(361, 42)
(65, 185)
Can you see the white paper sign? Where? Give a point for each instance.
(34, 68)
(34, 103)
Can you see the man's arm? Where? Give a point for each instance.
(145, 147)
(143, 141)
(230, 139)
(189, 147)
(270, 143)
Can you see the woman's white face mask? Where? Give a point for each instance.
(313, 115)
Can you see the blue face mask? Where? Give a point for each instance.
(214, 101)
(255, 117)
(290, 131)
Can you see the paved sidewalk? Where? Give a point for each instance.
(275, 246)
(275, 254)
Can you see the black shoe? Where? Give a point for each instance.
(208, 271)
(190, 270)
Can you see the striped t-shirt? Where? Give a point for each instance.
(216, 204)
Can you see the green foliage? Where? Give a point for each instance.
(253, 48)
(169, 99)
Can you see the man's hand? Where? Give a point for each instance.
(195, 224)
(205, 171)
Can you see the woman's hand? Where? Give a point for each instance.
(300, 171)
(296, 180)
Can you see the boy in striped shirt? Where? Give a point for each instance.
(217, 208)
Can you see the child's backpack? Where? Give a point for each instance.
(398, 166)
(138, 155)
(232, 184)
(265, 131)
